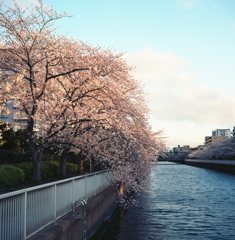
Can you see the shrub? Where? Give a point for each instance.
(11, 176)
(86, 166)
(27, 168)
(19, 173)
(50, 170)
(71, 169)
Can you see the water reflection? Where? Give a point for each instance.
(182, 202)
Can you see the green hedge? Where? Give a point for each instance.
(21, 173)
(11, 176)
(27, 168)
(49, 170)
(71, 168)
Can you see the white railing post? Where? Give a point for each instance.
(73, 192)
(95, 184)
(86, 187)
(55, 203)
(25, 215)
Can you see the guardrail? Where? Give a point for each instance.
(25, 212)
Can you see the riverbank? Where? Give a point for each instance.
(219, 165)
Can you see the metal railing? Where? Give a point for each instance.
(25, 212)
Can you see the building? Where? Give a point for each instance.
(7, 112)
(179, 152)
(233, 138)
(9, 116)
(218, 135)
(222, 132)
(208, 140)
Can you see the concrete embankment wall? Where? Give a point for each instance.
(220, 165)
(74, 226)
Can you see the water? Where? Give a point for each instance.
(182, 202)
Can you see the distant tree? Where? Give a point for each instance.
(9, 139)
(13, 144)
(3, 128)
(219, 150)
(13, 140)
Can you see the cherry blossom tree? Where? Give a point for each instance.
(30, 58)
(108, 124)
(219, 150)
(75, 97)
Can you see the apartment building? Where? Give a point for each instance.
(218, 135)
(222, 132)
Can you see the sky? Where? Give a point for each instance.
(181, 51)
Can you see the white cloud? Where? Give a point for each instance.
(176, 97)
(162, 61)
(188, 4)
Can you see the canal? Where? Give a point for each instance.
(181, 202)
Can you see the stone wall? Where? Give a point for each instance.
(73, 226)
(219, 165)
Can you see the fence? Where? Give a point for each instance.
(25, 212)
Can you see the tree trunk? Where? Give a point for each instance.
(63, 161)
(36, 155)
(37, 159)
(81, 166)
(36, 152)
(90, 162)
(121, 188)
